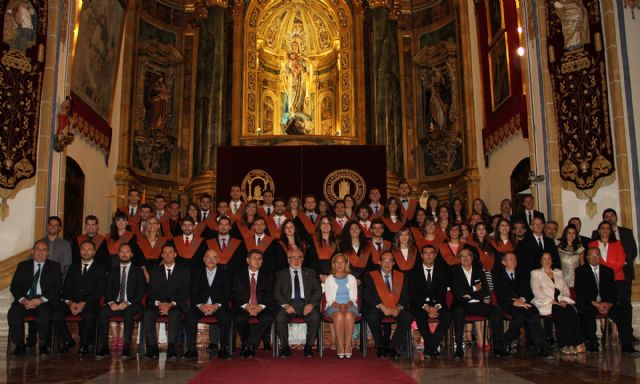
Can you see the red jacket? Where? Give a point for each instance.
(615, 258)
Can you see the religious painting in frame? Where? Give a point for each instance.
(495, 19)
(499, 73)
(95, 66)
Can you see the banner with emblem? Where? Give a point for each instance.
(24, 38)
(328, 171)
(577, 66)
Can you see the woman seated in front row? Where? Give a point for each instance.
(341, 294)
(551, 296)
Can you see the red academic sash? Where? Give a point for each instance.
(309, 226)
(393, 227)
(418, 236)
(323, 252)
(245, 232)
(375, 255)
(389, 299)
(359, 261)
(149, 252)
(184, 251)
(367, 231)
(263, 212)
(229, 250)
(274, 231)
(264, 243)
(125, 209)
(411, 209)
(502, 247)
(337, 228)
(447, 254)
(211, 222)
(97, 239)
(405, 265)
(379, 214)
(114, 245)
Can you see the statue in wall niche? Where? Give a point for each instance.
(574, 18)
(159, 98)
(296, 72)
(439, 101)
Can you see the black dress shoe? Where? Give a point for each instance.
(459, 354)
(307, 351)
(224, 355)
(67, 346)
(629, 350)
(212, 348)
(286, 352)
(551, 341)
(104, 352)
(434, 354)
(393, 354)
(171, 354)
(152, 353)
(126, 354)
(191, 354)
(267, 346)
(382, 352)
(83, 350)
(19, 351)
(252, 351)
(500, 352)
(635, 340)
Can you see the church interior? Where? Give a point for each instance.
(184, 99)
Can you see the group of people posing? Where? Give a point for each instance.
(248, 265)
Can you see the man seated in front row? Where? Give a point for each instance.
(83, 287)
(471, 297)
(428, 291)
(35, 288)
(596, 294)
(386, 293)
(513, 291)
(123, 297)
(210, 297)
(297, 292)
(253, 297)
(168, 295)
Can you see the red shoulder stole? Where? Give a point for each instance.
(229, 250)
(405, 265)
(389, 299)
(184, 251)
(114, 245)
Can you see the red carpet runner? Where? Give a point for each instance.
(297, 369)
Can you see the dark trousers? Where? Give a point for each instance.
(16, 316)
(432, 340)
(224, 322)
(128, 314)
(623, 292)
(247, 336)
(87, 325)
(620, 316)
(403, 322)
(175, 324)
(567, 323)
(492, 312)
(312, 320)
(528, 318)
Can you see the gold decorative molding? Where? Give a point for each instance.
(392, 5)
(633, 4)
(8, 267)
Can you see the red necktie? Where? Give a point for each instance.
(253, 298)
(186, 241)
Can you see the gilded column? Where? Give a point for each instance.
(236, 96)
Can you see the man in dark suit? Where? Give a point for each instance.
(189, 246)
(529, 250)
(83, 287)
(35, 288)
(584, 240)
(513, 291)
(252, 297)
(625, 236)
(168, 295)
(527, 212)
(428, 292)
(470, 297)
(596, 294)
(123, 297)
(386, 293)
(297, 292)
(210, 294)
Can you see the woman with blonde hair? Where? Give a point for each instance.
(341, 294)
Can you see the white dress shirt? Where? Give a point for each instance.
(604, 250)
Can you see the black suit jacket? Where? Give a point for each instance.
(460, 287)
(50, 281)
(506, 289)
(311, 286)
(242, 289)
(523, 216)
(630, 250)
(586, 288)
(584, 240)
(528, 253)
(372, 298)
(135, 285)
(218, 291)
(420, 294)
(88, 287)
(176, 289)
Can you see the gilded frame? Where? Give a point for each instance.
(500, 47)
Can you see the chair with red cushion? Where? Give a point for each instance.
(328, 319)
